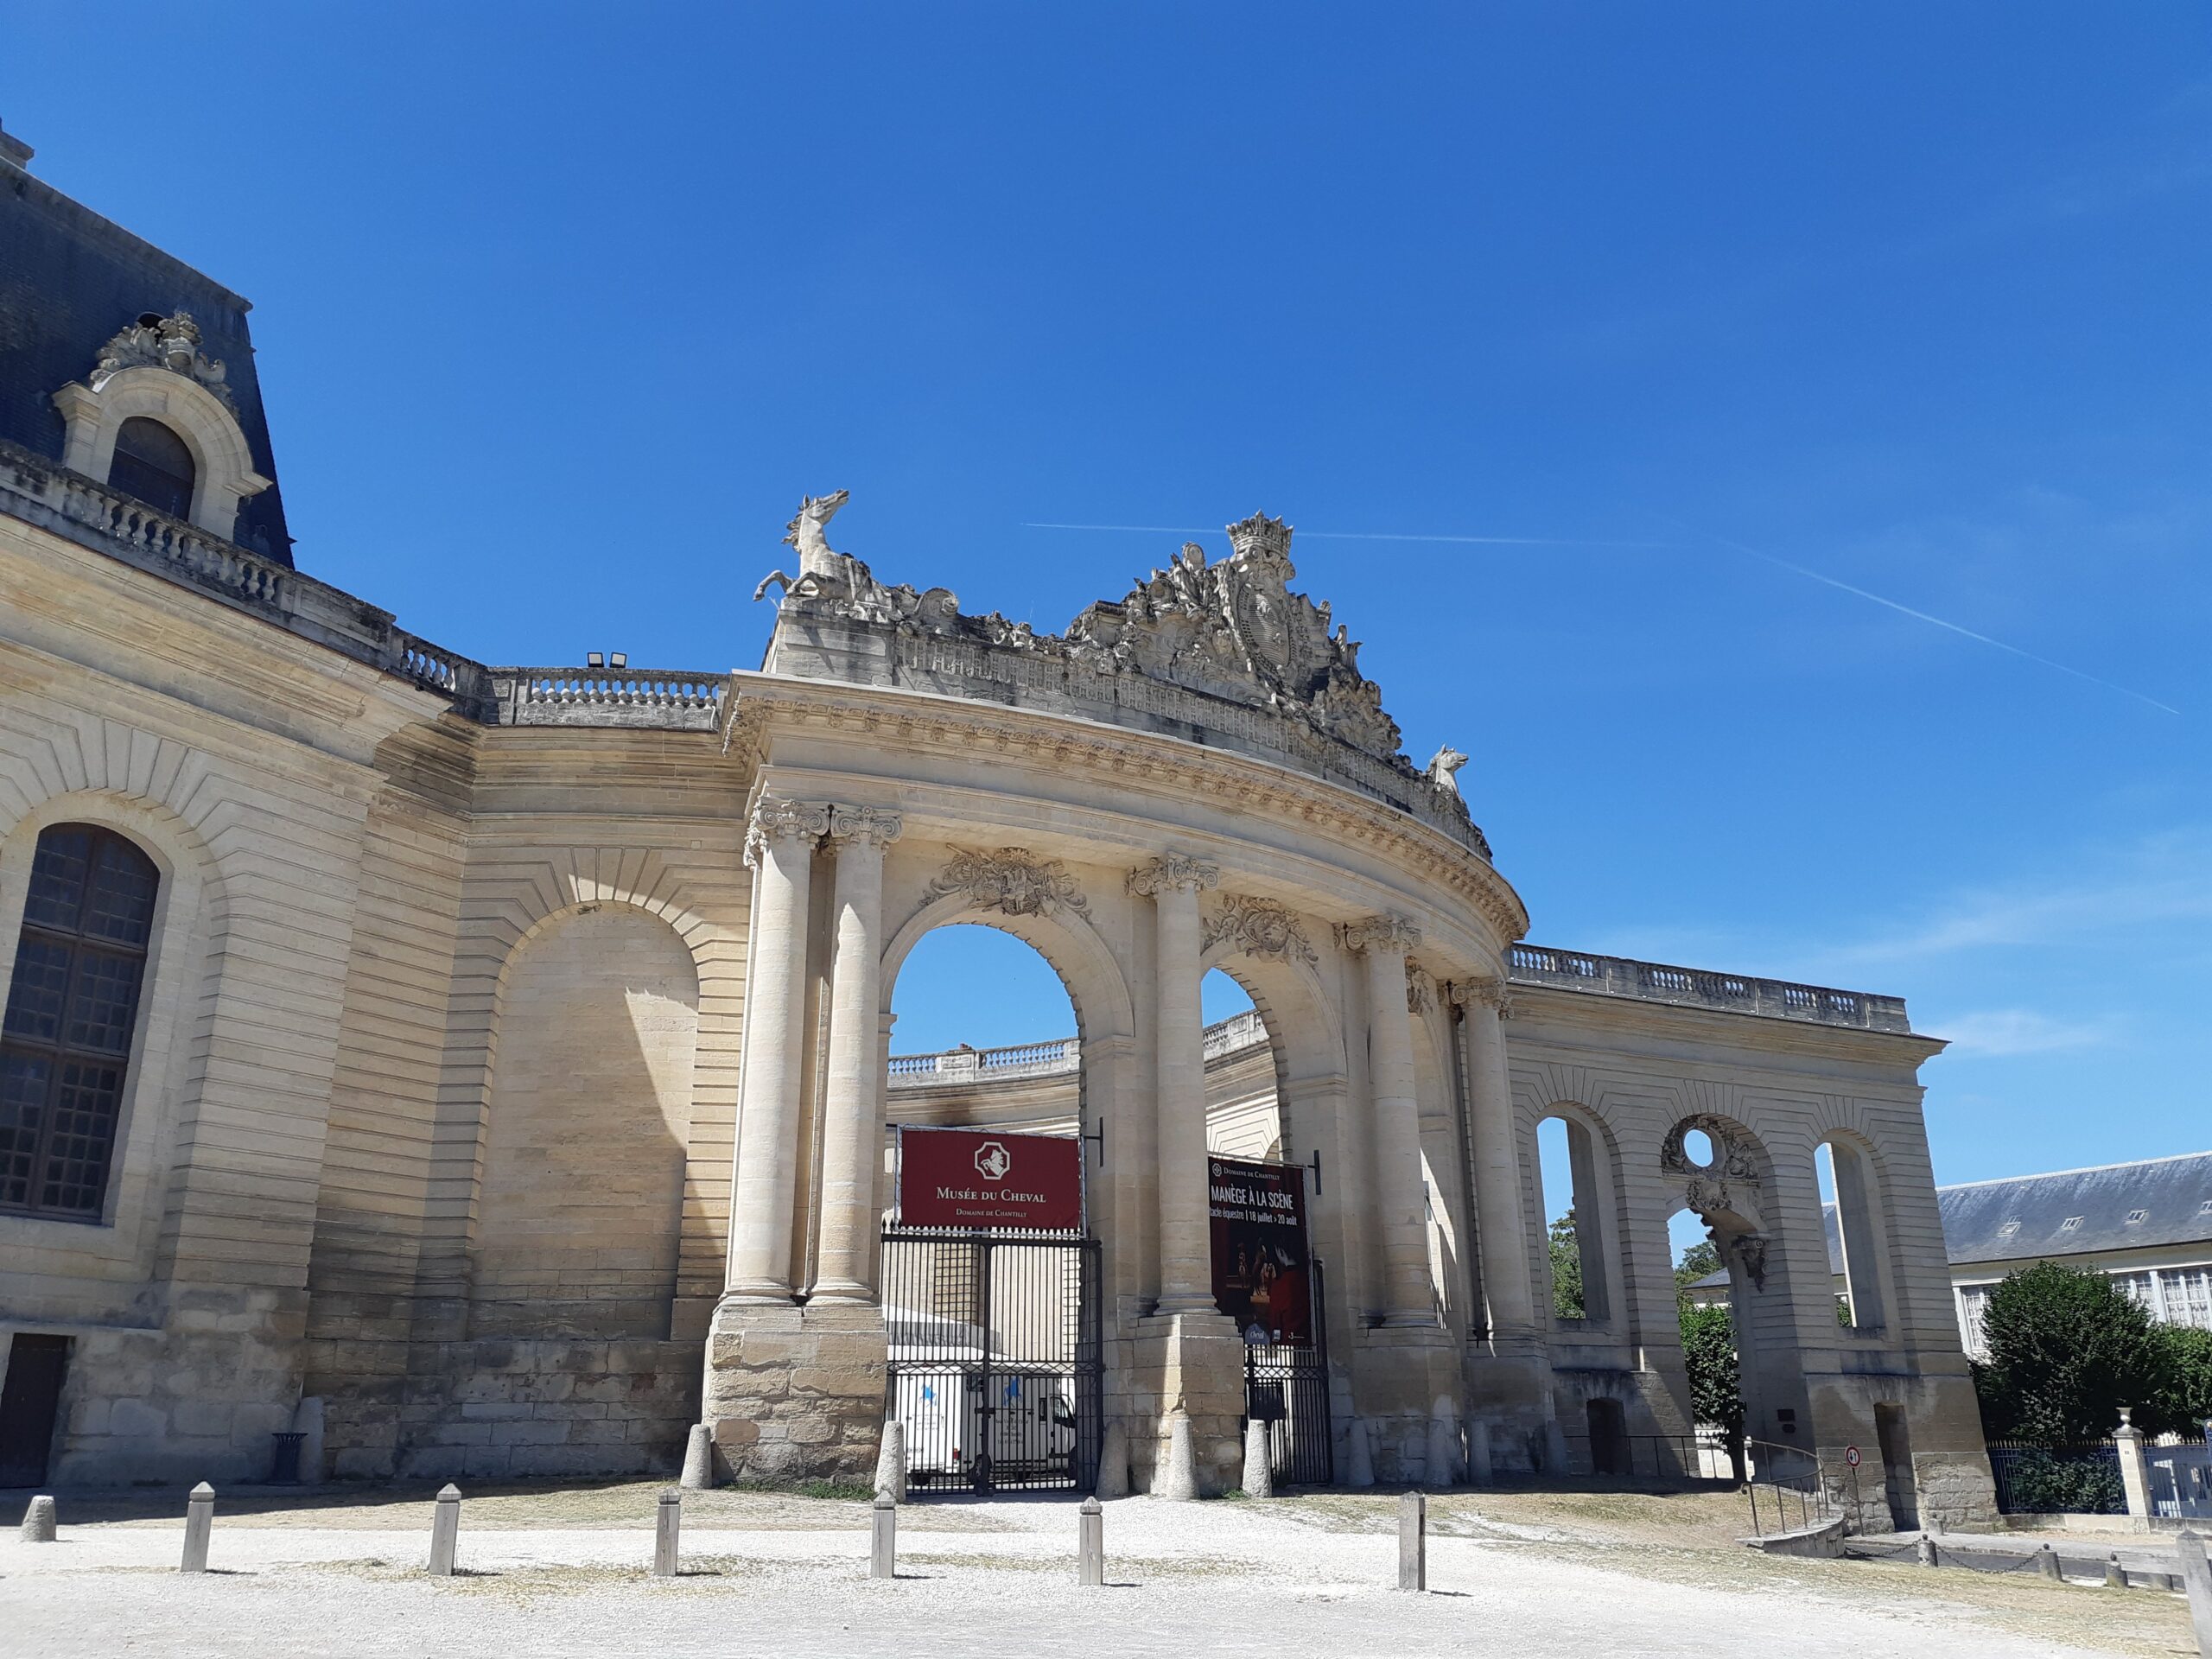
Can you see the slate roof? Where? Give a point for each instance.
(2173, 1194)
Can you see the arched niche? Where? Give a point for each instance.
(587, 1119)
(224, 472)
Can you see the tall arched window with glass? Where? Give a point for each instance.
(65, 1046)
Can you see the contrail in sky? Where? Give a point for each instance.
(1358, 536)
(1938, 621)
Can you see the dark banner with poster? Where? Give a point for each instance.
(1261, 1272)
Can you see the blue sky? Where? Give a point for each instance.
(559, 311)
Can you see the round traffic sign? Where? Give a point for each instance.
(1851, 1455)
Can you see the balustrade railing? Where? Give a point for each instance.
(667, 699)
(1652, 982)
(1063, 1055)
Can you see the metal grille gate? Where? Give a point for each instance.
(996, 1364)
(1287, 1387)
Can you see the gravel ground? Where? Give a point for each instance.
(1521, 1574)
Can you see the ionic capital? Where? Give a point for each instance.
(775, 819)
(1379, 933)
(1173, 873)
(865, 825)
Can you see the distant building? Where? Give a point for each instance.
(2146, 1225)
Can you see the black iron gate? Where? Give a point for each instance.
(996, 1368)
(1287, 1387)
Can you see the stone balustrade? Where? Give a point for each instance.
(1651, 981)
(675, 699)
(1059, 1057)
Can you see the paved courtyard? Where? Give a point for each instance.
(563, 1572)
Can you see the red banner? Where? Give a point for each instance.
(978, 1177)
(1260, 1277)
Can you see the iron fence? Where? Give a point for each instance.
(1287, 1387)
(2057, 1479)
(1785, 1489)
(1660, 1458)
(2181, 1479)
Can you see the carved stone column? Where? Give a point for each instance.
(780, 847)
(1496, 1173)
(1173, 883)
(1409, 1299)
(852, 1135)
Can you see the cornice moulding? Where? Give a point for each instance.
(763, 703)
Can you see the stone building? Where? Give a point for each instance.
(495, 1058)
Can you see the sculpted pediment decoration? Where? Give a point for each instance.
(1259, 927)
(1012, 881)
(1728, 1184)
(1231, 629)
(154, 342)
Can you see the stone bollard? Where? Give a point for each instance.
(309, 1422)
(1413, 1541)
(445, 1532)
(1114, 1461)
(891, 1463)
(883, 1539)
(1178, 1479)
(1259, 1461)
(1090, 1544)
(698, 1459)
(668, 1526)
(1442, 1466)
(1360, 1456)
(38, 1522)
(2115, 1574)
(2196, 1579)
(1928, 1550)
(199, 1522)
(2047, 1564)
(1478, 1465)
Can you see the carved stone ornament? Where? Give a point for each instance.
(1173, 873)
(1232, 630)
(171, 343)
(1012, 881)
(1379, 933)
(1485, 994)
(1443, 768)
(871, 824)
(1730, 1182)
(777, 819)
(1750, 1251)
(1259, 927)
(1420, 989)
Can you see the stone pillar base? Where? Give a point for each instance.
(796, 1393)
(1400, 1373)
(1197, 1360)
(1508, 1393)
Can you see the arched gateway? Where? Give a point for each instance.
(1197, 777)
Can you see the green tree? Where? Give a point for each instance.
(1716, 1391)
(2188, 1399)
(1697, 1260)
(2067, 1350)
(1567, 1268)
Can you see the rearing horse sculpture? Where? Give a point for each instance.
(808, 533)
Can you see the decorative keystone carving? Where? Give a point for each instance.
(1259, 927)
(777, 819)
(1484, 994)
(865, 824)
(171, 343)
(1730, 1182)
(1421, 988)
(1379, 933)
(1012, 881)
(1173, 873)
(1750, 1251)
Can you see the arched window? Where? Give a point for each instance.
(72, 1007)
(152, 463)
